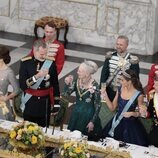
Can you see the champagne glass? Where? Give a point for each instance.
(84, 138)
(143, 109)
(71, 79)
(103, 89)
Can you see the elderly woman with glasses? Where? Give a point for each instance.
(85, 112)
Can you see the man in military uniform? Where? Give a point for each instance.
(114, 63)
(55, 48)
(38, 79)
(152, 73)
(151, 112)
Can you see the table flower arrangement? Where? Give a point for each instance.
(74, 149)
(27, 136)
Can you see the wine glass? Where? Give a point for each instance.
(71, 83)
(103, 89)
(84, 138)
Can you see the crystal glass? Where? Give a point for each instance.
(103, 89)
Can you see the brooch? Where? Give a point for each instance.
(88, 100)
(47, 77)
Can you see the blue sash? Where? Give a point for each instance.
(127, 106)
(27, 96)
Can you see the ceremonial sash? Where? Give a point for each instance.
(27, 96)
(127, 106)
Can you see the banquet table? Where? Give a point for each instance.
(57, 139)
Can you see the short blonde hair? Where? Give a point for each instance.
(123, 37)
(91, 66)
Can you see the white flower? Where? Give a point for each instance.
(18, 137)
(94, 87)
(75, 144)
(88, 155)
(40, 136)
(62, 152)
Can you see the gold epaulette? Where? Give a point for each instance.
(134, 59)
(26, 58)
(108, 55)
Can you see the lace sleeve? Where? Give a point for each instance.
(97, 103)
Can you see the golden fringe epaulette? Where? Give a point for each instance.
(108, 55)
(26, 58)
(134, 59)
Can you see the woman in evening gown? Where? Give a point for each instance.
(7, 78)
(129, 129)
(85, 112)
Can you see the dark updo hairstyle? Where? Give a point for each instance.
(4, 54)
(130, 75)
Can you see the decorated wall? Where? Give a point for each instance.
(93, 22)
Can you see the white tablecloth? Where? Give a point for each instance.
(135, 150)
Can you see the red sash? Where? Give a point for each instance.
(42, 93)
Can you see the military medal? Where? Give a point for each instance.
(47, 84)
(47, 77)
(38, 67)
(80, 99)
(88, 100)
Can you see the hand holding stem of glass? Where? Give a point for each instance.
(103, 89)
(142, 109)
(71, 83)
